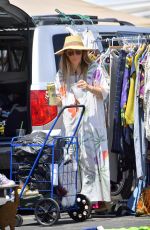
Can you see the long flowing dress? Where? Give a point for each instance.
(93, 153)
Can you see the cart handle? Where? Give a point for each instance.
(62, 110)
(79, 120)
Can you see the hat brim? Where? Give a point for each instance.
(60, 52)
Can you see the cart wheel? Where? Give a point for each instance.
(83, 210)
(47, 212)
(19, 220)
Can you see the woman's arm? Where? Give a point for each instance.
(96, 90)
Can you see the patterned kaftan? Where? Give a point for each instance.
(93, 154)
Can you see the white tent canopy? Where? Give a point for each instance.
(38, 7)
(134, 7)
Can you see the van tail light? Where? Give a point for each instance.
(41, 112)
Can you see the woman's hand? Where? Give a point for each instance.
(96, 90)
(82, 84)
(58, 99)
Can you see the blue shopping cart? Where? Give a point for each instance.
(49, 167)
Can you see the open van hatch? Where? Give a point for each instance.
(13, 17)
(16, 32)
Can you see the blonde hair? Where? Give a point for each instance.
(66, 68)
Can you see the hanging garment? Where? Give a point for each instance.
(89, 38)
(104, 60)
(116, 142)
(132, 201)
(114, 59)
(140, 142)
(143, 204)
(93, 154)
(147, 97)
(125, 87)
(129, 113)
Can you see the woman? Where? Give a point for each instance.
(80, 81)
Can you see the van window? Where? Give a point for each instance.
(12, 59)
(58, 42)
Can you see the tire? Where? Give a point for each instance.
(47, 212)
(122, 211)
(83, 209)
(19, 220)
(125, 184)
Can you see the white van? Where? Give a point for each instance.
(28, 63)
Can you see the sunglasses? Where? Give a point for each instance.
(73, 52)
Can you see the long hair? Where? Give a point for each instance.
(66, 67)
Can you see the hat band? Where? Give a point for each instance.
(73, 44)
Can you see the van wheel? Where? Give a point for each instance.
(19, 220)
(122, 211)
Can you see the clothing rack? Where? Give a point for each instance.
(133, 38)
(119, 41)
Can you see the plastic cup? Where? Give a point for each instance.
(20, 132)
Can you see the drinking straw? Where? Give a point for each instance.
(20, 128)
(21, 125)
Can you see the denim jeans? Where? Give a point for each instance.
(116, 142)
(132, 201)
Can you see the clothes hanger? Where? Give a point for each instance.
(112, 46)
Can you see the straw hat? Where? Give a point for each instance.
(72, 42)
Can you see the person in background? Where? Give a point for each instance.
(80, 81)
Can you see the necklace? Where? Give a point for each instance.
(77, 76)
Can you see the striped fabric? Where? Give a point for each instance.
(147, 97)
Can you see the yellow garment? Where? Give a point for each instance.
(129, 113)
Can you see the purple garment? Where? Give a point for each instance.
(126, 83)
(93, 76)
(125, 87)
(141, 91)
(97, 75)
(141, 75)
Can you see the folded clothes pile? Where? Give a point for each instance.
(27, 192)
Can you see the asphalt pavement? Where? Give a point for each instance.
(66, 223)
